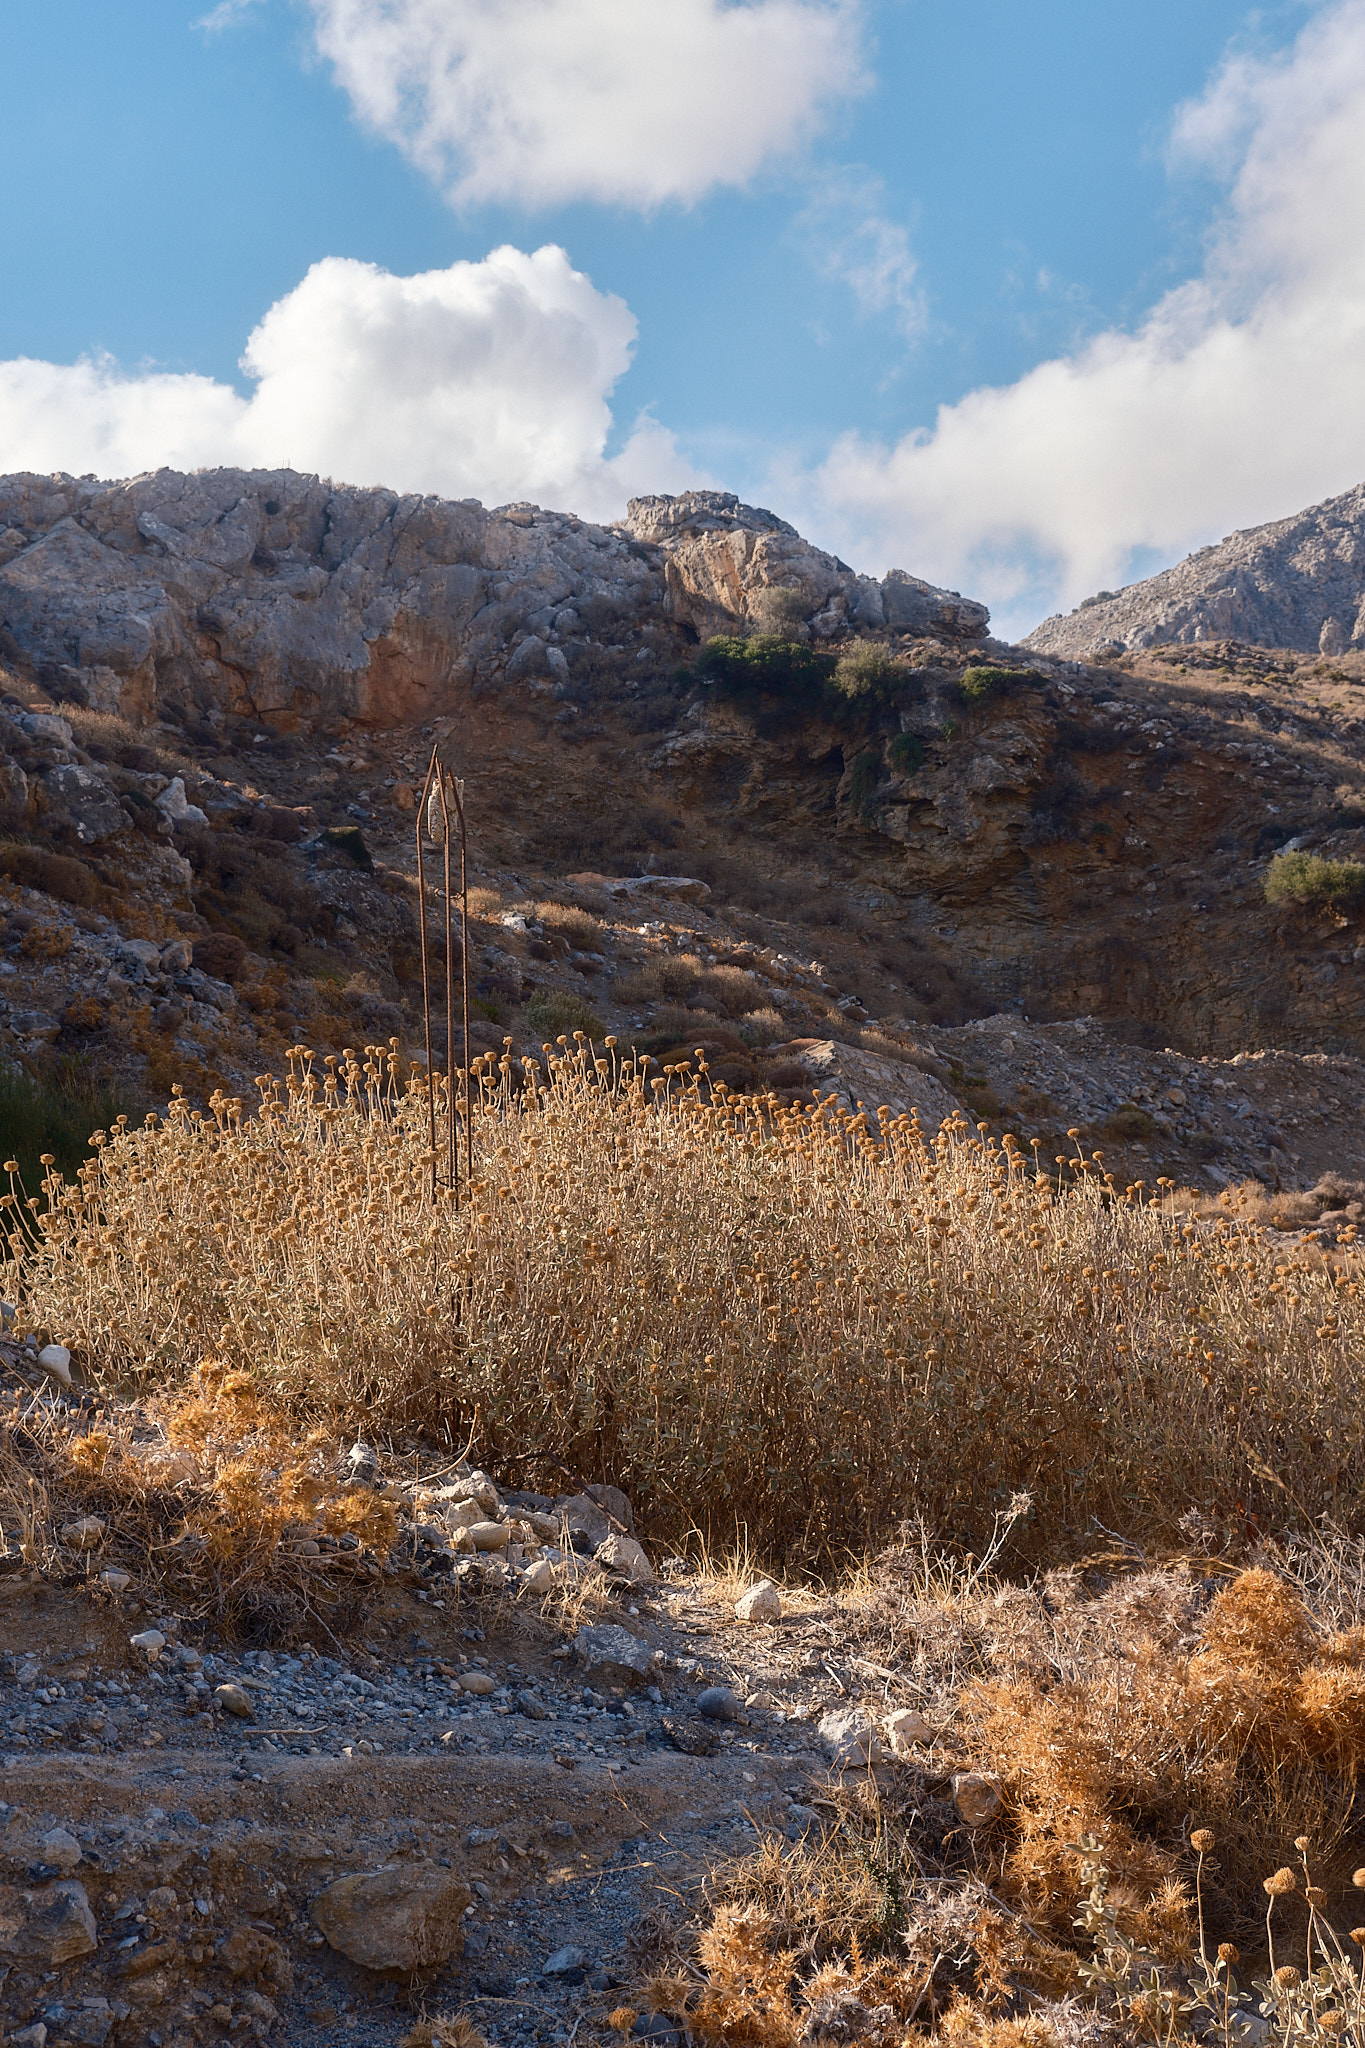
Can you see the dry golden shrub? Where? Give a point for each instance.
(582, 930)
(672, 975)
(749, 1315)
(731, 990)
(213, 1509)
(1143, 1774)
(1254, 1733)
(1259, 1621)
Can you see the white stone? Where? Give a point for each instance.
(908, 1730)
(149, 1644)
(539, 1577)
(85, 1534)
(850, 1739)
(624, 1558)
(977, 1797)
(116, 1581)
(477, 1682)
(478, 1487)
(175, 806)
(60, 1850)
(489, 1535)
(762, 1602)
(56, 1360)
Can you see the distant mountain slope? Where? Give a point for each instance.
(1297, 583)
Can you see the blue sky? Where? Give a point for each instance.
(1041, 219)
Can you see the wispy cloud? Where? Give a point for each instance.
(849, 236)
(226, 14)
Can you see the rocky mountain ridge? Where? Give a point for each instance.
(288, 599)
(1296, 583)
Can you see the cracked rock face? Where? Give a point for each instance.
(285, 597)
(1296, 583)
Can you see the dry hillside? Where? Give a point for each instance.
(847, 1526)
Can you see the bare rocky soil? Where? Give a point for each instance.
(164, 1860)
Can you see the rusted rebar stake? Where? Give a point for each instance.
(437, 790)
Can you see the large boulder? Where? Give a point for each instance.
(729, 564)
(397, 1918)
(46, 1925)
(81, 799)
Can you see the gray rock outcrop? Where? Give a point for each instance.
(1297, 583)
(291, 599)
(725, 562)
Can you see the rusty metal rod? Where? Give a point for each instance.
(432, 771)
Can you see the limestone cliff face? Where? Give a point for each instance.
(1297, 583)
(723, 562)
(276, 593)
(299, 601)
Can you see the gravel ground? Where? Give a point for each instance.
(572, 1813)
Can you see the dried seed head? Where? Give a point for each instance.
(1315, 1896)
(1358, 1936)
(1303, 1844)
(1288, 1976)
(1282, 1881)
(1228, 1953)
(1358, 1879)
(1202, 1840)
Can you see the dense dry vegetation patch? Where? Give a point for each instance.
(788, 1321)
(796, 1327)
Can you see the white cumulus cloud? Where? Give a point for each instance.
(1239, 399)
(488, 380)
(634, 102)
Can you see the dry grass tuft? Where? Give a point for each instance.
(582, 930)
(449, 2030)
